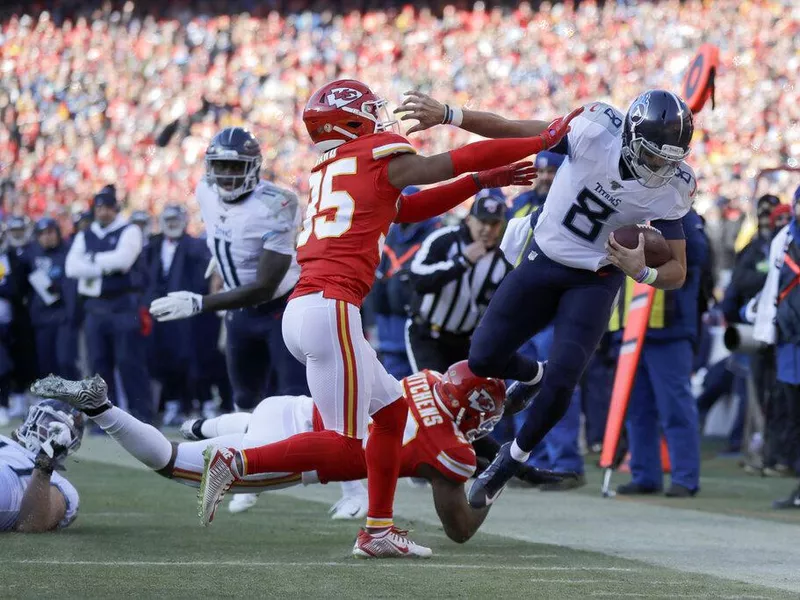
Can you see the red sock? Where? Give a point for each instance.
(383, 462)
(321, 451)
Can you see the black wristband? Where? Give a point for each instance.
(477, 180)
(44, 463)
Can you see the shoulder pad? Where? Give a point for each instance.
(605, 115)
(281, 205)
(684, 181)
(387, 144)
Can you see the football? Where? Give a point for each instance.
(656, 249)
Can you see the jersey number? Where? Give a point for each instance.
(594, 210)
(323, 197)
(222, 252)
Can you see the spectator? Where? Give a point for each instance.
(454, 274)
(661, 393)
(175, 261)
(777, 322)
(105, 259)
(391, 294)
(52, 300)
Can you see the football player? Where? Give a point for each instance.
(355, 195)
(619, 169)
(444, 413)
(33, 499)
(251, 227)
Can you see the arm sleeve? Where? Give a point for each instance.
(670, 229)
(77, 264)
(431, 268)
(124, 255)
(435, 201)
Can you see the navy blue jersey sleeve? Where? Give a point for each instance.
(670, 229)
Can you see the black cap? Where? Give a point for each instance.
(106, 197)
(489, 205)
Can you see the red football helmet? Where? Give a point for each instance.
(343, 110)
(475, 403)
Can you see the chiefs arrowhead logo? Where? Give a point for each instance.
(481, 400)
(340, 97)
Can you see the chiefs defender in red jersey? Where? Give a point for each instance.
(355, 196)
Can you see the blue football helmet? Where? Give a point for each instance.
(33, 432)
(656, 135)
(233, 163)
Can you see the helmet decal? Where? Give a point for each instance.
(342, 96)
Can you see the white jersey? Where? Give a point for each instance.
(589, 199)
(16, 466)
(268, 219)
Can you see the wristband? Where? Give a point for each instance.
(448, 115)
(456, 116)
(44, 463)
(647, 276)
(477, 180)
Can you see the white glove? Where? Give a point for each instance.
(58, 440)
(176, 305)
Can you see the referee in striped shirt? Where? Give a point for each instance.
(454, 275)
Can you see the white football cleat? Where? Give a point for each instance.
(87, 394)
(349, 507)
(218, 476)
(241, 502)
(391, 543)
(187, 430)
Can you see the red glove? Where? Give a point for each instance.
(558, 128)
(145, 321)
(522, 173)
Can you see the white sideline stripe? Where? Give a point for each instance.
(232, 563)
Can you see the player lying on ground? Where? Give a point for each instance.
(33, 499)
(354, 198)
(444, 413)
(619, 170)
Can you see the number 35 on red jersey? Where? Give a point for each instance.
(350, 208)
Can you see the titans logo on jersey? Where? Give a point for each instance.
(268, 219)
(589, 198)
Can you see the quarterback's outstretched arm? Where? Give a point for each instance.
(429, 112)
(43, 505)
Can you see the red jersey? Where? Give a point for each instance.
(431, 437)
(350, 208)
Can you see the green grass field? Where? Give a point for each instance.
(138, 536)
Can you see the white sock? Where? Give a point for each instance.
(353, 488)
(539, 375)
(518, 453)
(144, 442)
(226, 424)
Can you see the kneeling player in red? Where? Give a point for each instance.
(443, 414)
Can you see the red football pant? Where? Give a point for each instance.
(384, 446)
(321, 451)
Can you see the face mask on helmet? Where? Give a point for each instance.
(231, 175)
(652, 166)
(34, 431)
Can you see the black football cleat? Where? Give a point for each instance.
(792, 501)
(489, 485)
(520, 395)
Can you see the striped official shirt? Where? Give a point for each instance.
(451, 294)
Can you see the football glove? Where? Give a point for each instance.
(176, 305)
(558, 129)
(522, 173)
(55, 448)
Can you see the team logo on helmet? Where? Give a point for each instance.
(481, 400)
(340, 97)
(639, 110)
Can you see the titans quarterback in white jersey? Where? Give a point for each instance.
(618, 170)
